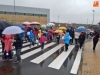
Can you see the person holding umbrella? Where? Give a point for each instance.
(95, 39)
(81, 39)
(18, 46)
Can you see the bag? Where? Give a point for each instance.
(37, 41)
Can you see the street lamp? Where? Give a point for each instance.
(87, 21)
(93, 16)
(14, 17)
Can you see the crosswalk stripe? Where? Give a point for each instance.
(46, 55)
(76, 63)
(35, 51)
(23, 45)
(57, 63)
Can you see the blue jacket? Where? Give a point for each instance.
(31, 36)
(67, 38)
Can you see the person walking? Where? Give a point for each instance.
(2, 43)
(42, 40)
(31, 37)
(7, 47)
(95, 39)
(58, 38)
(67, 40)
(81, 39)
(71, 32)
(76, 37)
(18, 47)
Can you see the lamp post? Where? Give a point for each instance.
(87, 21)
(14, 17)
(93, 16)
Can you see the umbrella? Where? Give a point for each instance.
(81, 27)
(58, 31)
(50, 24)
(97, 29)
(26, 23)
(43, 26)
(12, 30)
(52, 31)
(62, 28)
(4, 24)
(21, 26)
(35, 23)
(81, 30)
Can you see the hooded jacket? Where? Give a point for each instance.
(42, 39)
(31, 35)
(8, 43)
(67, 38)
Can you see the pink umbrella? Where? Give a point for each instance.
(35, 23)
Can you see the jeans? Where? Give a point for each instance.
(18, 54)
(10, 54)
(42, 46)
(76, 41)
(31, 42)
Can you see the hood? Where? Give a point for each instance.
(67, 34)
(8, 36)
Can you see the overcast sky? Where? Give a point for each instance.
(69, 11)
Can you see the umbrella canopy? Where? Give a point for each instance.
(26, 23)
(58, 31)
(12, 30)
(4, 24)
(97, 29)
(81, 30)
(43, 26)
(35, 23)
(62, 28)
(21, 26)
(50, 24)
(81, 27)
(52, 31)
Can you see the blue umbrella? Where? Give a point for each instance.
(21, 26)
(81, 30)
(81, 27)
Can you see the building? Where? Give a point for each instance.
(22, 14)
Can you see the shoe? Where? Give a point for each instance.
(20, 61)
(4, 60)
(10, 59)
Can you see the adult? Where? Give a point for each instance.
(95, 39)
(76, 37)
(81, 39)
(18, 46)
(71, 32)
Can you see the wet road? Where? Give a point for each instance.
(29, 68)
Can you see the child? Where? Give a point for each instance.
(42, 40)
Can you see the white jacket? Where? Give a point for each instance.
(77, 34)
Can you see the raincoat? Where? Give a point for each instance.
(67, 38)
(42, 39)
(8, 43)
(31, 35)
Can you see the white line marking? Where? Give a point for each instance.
(76, 62)
(35, 51)
(57, 63)
(46, 55)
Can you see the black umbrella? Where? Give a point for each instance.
(3, 25)
(96, 28)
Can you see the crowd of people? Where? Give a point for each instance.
(35, 36)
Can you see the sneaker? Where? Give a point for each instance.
(4, 60)
(16, 62)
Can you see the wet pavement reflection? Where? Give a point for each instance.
(28, 68)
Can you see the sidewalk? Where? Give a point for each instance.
(91, 60)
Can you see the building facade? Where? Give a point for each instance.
(19, 14)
